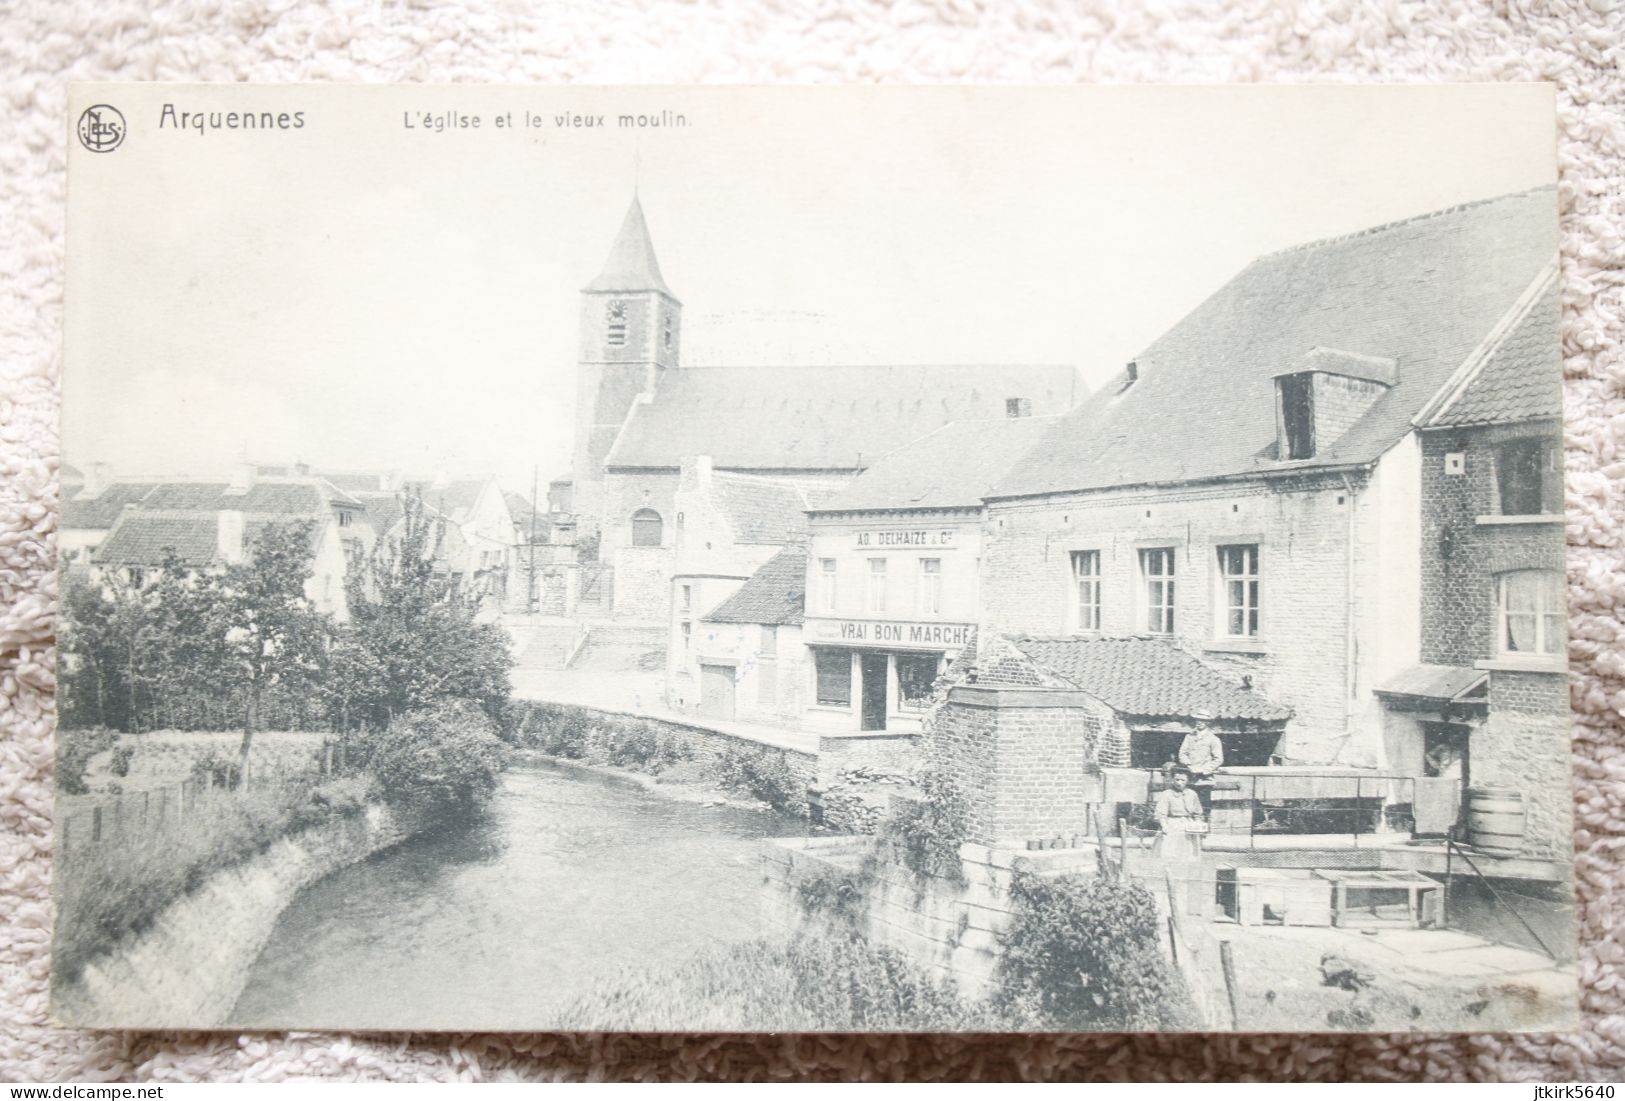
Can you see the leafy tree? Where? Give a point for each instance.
(260, 630)
(413, 637)
(443, 759)
(111, 640)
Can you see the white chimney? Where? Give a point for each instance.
(97, 478)
(242, 478)
(229, 536)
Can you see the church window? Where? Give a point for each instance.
(647, 528)
(616, 333)
(667, 333)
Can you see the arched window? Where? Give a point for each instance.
(647, 528)
(1530, 612)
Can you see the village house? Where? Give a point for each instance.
(641, 412)
(206, 525)
(1254, 491)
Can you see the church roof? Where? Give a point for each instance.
(632, 265)
(760, 510)
(821, 418)
(953, 467)
(1423, 292)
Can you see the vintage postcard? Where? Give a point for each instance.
(813, 560)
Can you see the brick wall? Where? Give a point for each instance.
(1339, 402)
(1020, 755)
(1460, 557)
(1302, 529)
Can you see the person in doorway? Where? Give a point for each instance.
(1180, 816)
(1203, 754)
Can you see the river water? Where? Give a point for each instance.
(570, 877)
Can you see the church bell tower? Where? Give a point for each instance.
(631, 330)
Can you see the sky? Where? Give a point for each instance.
(359, 293)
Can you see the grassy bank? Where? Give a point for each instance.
(810, 984)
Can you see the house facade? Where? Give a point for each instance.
(1250, 488)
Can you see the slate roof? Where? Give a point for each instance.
(1522, 377)
(1148, 676)
(760, 510)
(775, 594)
(631, 265)
(821, 418)
(953, 467)
(100, 512)
(1423, 292)
(143, 538)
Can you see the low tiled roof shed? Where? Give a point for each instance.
(774, 595)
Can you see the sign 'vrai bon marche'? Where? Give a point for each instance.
(896, 635)
(905, 537)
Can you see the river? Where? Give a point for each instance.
(570, 877)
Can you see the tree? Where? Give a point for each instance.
(111, 646)
(442, 759)
(264, 632)
(413, 638)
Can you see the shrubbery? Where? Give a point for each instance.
(766, 775)
(442, 759)
(582, 734)
(1084, 954)
(74, 749)
(926, 832)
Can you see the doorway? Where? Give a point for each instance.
(874, 691)
(717, 691)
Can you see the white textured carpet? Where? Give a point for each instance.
(44, 44)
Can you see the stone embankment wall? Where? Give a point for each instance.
(952, 929)
(188, 968)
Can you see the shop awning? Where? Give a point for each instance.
(1439, 683)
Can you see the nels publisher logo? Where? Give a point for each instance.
(101, 128)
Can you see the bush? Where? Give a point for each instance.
(215, 768)
(826, 891)
(1084, 953)
(120, 763)
(767, 776)
(74, 750)
(927, 832)
(445, 758)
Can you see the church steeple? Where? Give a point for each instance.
(631, 266)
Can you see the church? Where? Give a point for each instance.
(642, 413)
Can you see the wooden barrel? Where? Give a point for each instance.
(1495, 820)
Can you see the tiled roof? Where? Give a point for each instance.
(631, 265)
(1522, 378)
(277, 498)
(143, 538)
(1422, 292)
(760, 510)
(100, 512)
(953, 467)
(1149, 677)
(821, 418)
(454, 499)
(774, 594)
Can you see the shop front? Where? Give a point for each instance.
(872, 676)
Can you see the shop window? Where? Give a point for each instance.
(930, 586)
(1086, 587)
(877, 584)
(834, 674)
(826, 584)
(647, 528)
(1530, 605)
(916, 678)
(1157, 576)
(1529, 476)
(1295, 408)
(1238, 581)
